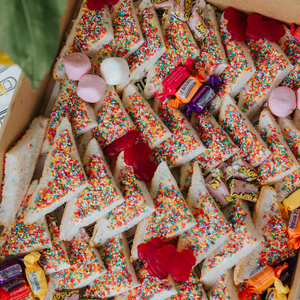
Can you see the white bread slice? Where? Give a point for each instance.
(68, 104)
(20, 238)
(224, 288)
(90, 31)
(292, 50)
(291, 182)
(212, 229)
(273, 237)
(184, 144)
(120, 276)
(137, 206)
(83, 141)
(296, 118)
(55, 259)
(98, 199)
(113, 120)
(19, 165)
(63, 176)
(282, 161)
(253, 149)
(153, 130)
(126, 28)
(151, 288)
(240, 243)
(272, 66)
(171, 217)
(86, 266)
(218, 144)
(179, 48)
(150, 51)
(213, 58)
(240, 69)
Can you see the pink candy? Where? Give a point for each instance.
(282, 101)
(91, 88)
(77, 65)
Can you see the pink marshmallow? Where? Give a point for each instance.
(282, 101)
(77, 65)
(298, 98)
(91, 88)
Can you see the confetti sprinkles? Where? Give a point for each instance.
(269, 63)
(69, 105)
(117, 279)
(251, 149)
(220, 291)
(67, 174)
(170, 216)
(182, 141)
(146, 122)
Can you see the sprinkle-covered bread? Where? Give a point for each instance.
(98, 199)
(180, 46)
(138, 204)
(127, 34)
(272, 66)
(120, 276)
(153, 130)
(212, 229)
(252, 148)
(90, 31)
(63, 176)
(171, 217)
(184, 144)
(273, 236)
(68, 104)
(242, 240)
(282, 161)
(240, 69)
(218, 144)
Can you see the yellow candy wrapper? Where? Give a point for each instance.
(35, 275)
(5, 60)
(283, 211)
(278, 292)
(293, 201)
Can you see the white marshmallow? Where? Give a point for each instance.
(114, 70)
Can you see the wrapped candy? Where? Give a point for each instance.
(10, 271)
(243, 190)
(294, 229)
(241, 170)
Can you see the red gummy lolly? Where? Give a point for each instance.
(99, 4)
(237, 23)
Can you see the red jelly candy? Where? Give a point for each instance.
(237, 23)
(123, 143)
(99, 4)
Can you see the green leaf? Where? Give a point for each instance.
(29, 34)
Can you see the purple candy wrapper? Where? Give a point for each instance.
(10, 271)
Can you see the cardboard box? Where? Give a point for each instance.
(28, 103)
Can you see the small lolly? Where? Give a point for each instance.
(237, 24)
(278, 292)
(243, 190)
(188, 89)
(197, 25)
(293, 201)
(282, 101)
(296, 33)
(298, 98)
(162, 3)
(294, 230)
(10, 271)
(99, 4)
(91, 88)
(16, 289)
(114, 70)
(241, 170)
(77, 65)
(183, 9)
(67, 295)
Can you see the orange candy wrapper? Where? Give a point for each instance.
(294, 230)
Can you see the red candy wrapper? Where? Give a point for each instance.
(16, 289)
(243, 190)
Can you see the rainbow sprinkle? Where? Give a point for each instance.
(292, 51)
(269, 63)
(66, 172)
(117, 279)
(220, 291)
(251, 149)
(126, 34)
(182, 141)
(112, 122)
(53, 260)
(238, 66)
(100, 195)
(211, 226)
(68, 104)
(190, 289)
(171, 214)
(146, 122)
(84, 263)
